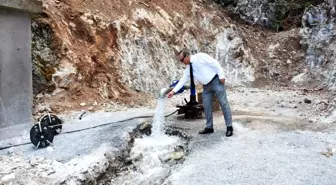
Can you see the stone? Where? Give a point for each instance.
(73, 25)
(144, 128)
(9, 177)
(50, 149)
(65, 74)
(177, 155)
(329, 152)
(90, 21)
(308, 101)
(42, 108)
(145, 125)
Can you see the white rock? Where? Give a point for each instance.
(50, 149)
(9, 177)
(90, 21)
(177, 155)
(73, 25)
(299, 79)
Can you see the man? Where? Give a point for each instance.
(207, 71)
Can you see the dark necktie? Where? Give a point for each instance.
(192, 86)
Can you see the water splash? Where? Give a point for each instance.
(159, 121)
(150, 154)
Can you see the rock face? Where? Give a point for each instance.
(317, 38)
(148, 60)
(44, 58)
(125, 49)
(261, 12)
(237, 61)
(109, 56)
(275, 14)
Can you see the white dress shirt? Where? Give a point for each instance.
(204, 69)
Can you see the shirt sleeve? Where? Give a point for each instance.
(183, 80)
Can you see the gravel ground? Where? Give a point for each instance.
(277, 140)
(259, 157)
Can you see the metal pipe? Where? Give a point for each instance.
(165, 91)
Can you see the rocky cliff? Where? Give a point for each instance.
(318, 39)
(94, 53)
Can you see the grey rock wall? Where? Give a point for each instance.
(275, 14)
(318, 38)
(43, 57)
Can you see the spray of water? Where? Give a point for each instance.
(149, 153)
(158, 121)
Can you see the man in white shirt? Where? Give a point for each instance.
(207, 71)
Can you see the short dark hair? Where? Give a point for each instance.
(185, 53)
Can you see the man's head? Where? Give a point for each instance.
(184, 57)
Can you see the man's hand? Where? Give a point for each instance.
(222, 81)
(170, 94)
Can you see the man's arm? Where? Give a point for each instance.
(183, 80)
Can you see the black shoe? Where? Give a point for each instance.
(207, 131)
(229, 131)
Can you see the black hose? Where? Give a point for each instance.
(128, 119)
(80, 117)
(10, 146)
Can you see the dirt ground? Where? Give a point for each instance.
(286, 110)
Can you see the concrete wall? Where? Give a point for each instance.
(31, 6)
(15, 67)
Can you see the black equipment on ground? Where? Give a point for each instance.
(52, 121)
(42, 134)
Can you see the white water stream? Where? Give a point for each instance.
(150, 153)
